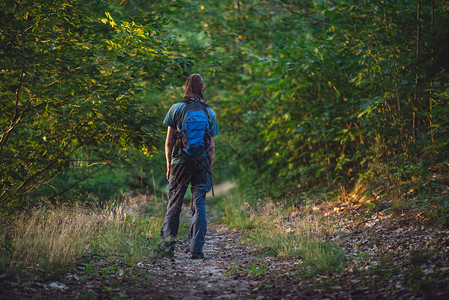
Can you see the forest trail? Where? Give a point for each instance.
(154, 278)
(386, 256)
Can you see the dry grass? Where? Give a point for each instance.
(55, 238)
(52, 237)
(284, 232)
(289, 233)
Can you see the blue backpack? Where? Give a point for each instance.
(193, 128)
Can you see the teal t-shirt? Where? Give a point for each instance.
(172, 118)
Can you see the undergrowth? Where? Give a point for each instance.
(55, 238)
(281, 231)
(407, 186)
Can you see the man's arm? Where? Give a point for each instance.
(211, 151)
(169, 148)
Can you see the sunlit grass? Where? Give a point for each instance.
(131, 235)
(56, 238)
(239, 217)
(283, 232)
(49, 237)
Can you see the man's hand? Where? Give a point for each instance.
(168, 148)
(211, 152)
(168, 172)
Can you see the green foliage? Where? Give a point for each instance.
(309, 95)
(130, 237)
(235, 210)
(317, 93)
(422, 284)
(71, 74)
(254, 269)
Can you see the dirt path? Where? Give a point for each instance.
(184, 278)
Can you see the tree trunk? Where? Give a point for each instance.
(418, 53)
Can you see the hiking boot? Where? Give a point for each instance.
(197, 255)
(163, 252)
(166, 248)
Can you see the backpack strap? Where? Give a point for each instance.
(190, 100)
(204, 105)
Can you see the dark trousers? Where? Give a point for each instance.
(197, 173)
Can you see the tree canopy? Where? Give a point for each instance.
(70, 73)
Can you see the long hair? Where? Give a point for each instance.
(194, 87)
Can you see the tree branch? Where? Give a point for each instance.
(6, 134)
(315, 19)
(37, 23)
(48, 166)
(61, 78)
(16, 119)
(15, 8)
(106, 163)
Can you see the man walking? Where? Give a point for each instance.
(189, 152)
